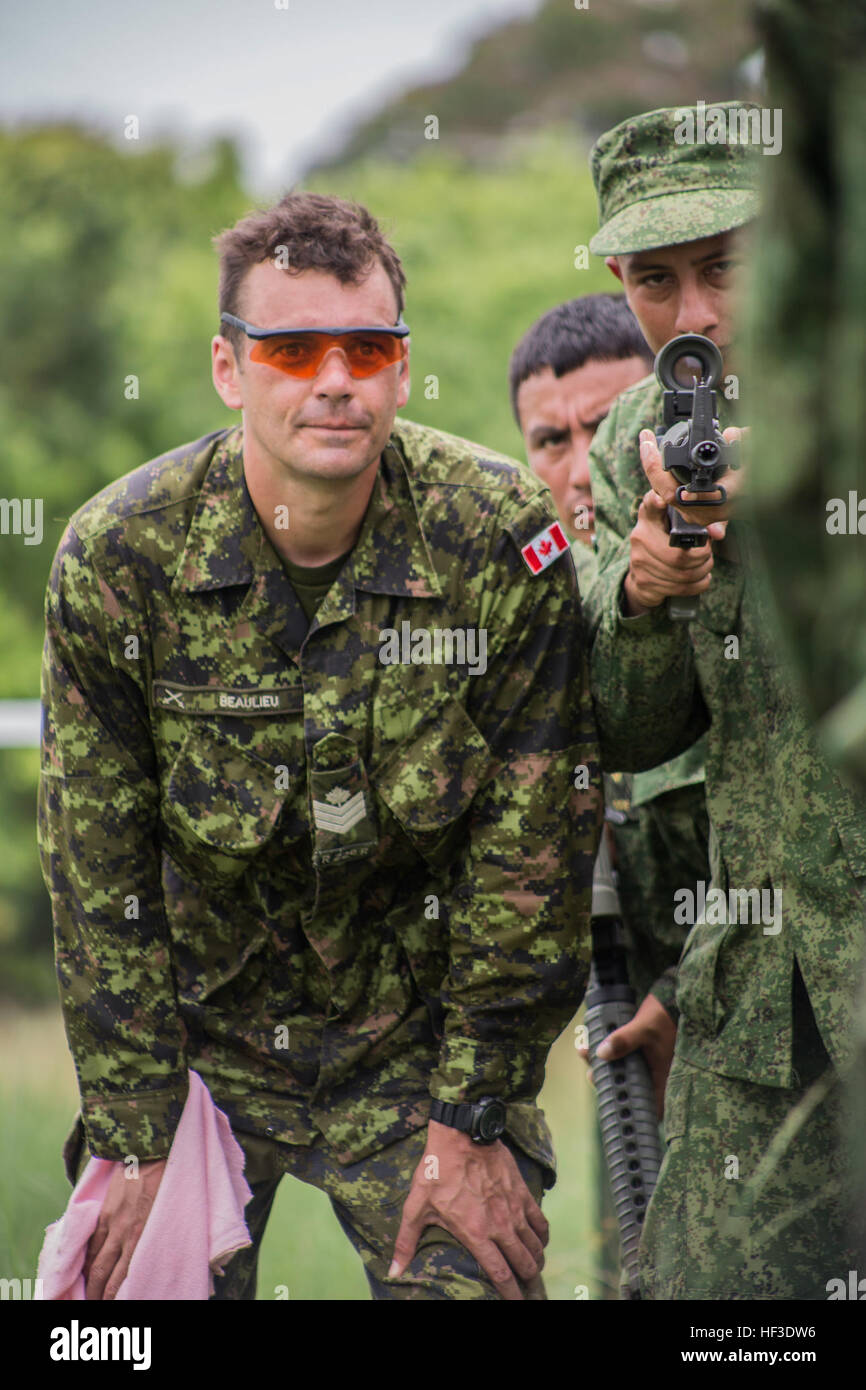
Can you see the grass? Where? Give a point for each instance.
(304, 1248)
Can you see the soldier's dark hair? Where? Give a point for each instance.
(318, 232)
(594, 328)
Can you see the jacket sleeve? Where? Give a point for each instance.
(648, 703)
(519, 910)
(98, 807)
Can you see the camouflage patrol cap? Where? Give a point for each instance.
(660, 181)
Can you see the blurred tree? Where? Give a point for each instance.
(808, 324)
(106, 273)
(809, 346)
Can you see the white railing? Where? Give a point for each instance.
(20, 723)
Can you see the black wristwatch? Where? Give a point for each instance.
(483, 1120)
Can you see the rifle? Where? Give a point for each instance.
(691, 443)
(626, 1096)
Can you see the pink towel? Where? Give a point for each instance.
(196, 1223)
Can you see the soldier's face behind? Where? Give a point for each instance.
(331, 426)
(559, 417)
(691, 288)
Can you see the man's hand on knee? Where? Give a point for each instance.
(476, 1192)
(128, 1203)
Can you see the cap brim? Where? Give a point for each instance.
(672, 218)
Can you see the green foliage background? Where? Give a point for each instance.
(108, 272)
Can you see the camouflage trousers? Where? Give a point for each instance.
(751, 1201)
(367, 1199)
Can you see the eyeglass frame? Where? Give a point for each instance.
(398, 330)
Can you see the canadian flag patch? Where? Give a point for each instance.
(544, 548)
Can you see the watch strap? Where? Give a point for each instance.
(457, 1115)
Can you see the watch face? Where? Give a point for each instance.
(492, 1122)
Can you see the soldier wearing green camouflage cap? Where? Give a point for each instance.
(765, 985)
(320, 795)
(656, 186)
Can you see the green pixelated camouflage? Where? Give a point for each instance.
(781, 815)
(653, 191)
(661, 844)
(367, 1199)
(664, 846)
(685, 770)
(201, 901)
(739, 1211)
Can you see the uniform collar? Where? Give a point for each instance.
(392, 555)
(225, 539)
(226, 544)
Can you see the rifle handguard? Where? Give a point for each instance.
(626, 1095)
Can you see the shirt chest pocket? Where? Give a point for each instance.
(429, 781)
(222, 801)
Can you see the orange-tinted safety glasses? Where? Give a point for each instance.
(300, 352)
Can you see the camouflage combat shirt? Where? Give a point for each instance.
(781, 817)
(331, 884)
(654, 941)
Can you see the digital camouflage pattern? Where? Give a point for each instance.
(738, 1212)
(781, 816)
(661, 836)
(653, 191)
(658, 845)
(661, 845)
(333, 887)
(367, 1199)
(686, 770)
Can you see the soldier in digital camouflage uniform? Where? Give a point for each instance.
(564, 375)
(764, 1006)
(288, 845)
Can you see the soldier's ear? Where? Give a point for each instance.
(612, 263)
(225, 370)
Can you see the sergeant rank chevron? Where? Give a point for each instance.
(340, 817)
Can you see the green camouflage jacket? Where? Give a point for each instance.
(686, 769)
(646, 869)
(325, 872)
(782, 820)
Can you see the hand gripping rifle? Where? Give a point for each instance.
(626, 1096)
(691, 443)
